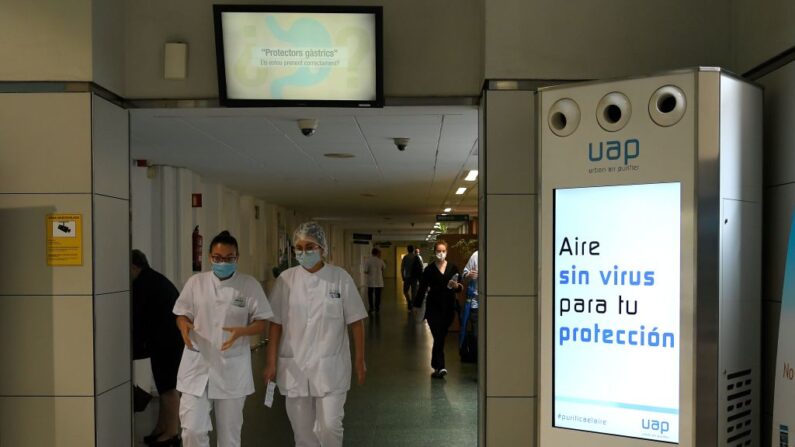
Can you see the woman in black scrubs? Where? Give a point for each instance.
(440, 280)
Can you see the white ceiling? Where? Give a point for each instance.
(262, 152)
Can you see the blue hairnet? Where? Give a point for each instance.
(311, 231)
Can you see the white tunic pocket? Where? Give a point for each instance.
(333, 308)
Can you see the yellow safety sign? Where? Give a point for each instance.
(64, 239)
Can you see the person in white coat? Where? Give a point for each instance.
(309, 354)
(216, 311)
(374, 270)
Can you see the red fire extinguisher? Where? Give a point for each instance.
(197, 250)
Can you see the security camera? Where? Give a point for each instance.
(307, 126)
(401, 143)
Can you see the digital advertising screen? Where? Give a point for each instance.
(276, 55)
(616, 310)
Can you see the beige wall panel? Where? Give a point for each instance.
(760, 31)
(23, 218)
(771, 315)
(510, 343)
(112, 334)
(108, 45)
(110, 141)
(779, 135)
(45, 140)
(511, 242)
(583, 39)
(112, 244)
(510, 422)
(441, 54)
(778, 217)
(510, 140)
(113, 417)
(45, 40)
(49, 343)
(47, 421)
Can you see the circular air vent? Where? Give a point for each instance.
(564, 117)
(667, 105)
(613, 111)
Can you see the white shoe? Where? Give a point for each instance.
(442, 372)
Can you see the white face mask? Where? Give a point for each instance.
(441, 255)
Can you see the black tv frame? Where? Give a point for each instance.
(377, 11)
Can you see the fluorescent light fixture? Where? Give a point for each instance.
(472, 176)
(461, 191)
(447, 210)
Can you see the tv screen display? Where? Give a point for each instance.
(616, 310)
(299, 55)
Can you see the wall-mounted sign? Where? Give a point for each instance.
(362, 236)
(616, 310)
(452, 217)
(64, 239)
(783, 404)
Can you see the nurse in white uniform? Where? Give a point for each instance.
(314, 304)
(216, 311)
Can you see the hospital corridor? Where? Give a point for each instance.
(399, 405)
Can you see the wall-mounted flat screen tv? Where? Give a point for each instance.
(299, 55)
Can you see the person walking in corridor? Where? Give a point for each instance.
(216, 312)
(440, 281)
(314, 304)
(410, 271)
(156, 333)
(374, 270)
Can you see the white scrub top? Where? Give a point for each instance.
(374, 269)
(213, 304)
(315, 310)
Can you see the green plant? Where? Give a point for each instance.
(466, 247)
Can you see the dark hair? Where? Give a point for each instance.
(224, 238)
(375, 251)
(139, 259)
(410, 249)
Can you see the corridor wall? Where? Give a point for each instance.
(65, 379)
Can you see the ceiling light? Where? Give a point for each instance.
(447, 210)
(472, 176)
(338, 155)
(461, 191)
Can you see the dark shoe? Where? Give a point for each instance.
(435, 374)
(442, 372)
(170, 442)
(148, 439)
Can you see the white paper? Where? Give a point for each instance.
(210, 353)
(269, 394)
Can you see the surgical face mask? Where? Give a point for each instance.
(224, 269)
(441, 255)
(307, 258)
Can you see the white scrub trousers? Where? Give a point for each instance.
(317, 421)
(194, 415)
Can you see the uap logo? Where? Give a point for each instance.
(654, 425)
(614, 150)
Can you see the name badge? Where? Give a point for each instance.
(239, 302)
(334, 294)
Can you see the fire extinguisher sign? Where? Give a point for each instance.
(64, 239)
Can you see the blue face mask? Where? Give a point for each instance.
(224, 269)
(308, 258)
